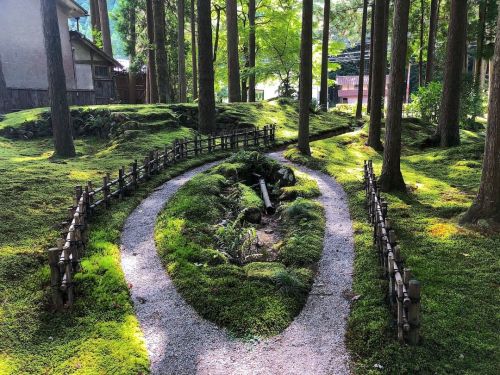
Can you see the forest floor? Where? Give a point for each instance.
(456, 265)
(101, 333)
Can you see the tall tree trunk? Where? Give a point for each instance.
(106, 33)
(206, 102)
(448, 129)
(132, 76)
(153, 86)
(59, 109)
(386, 45)
(95, 17)
(431, 46)
(305, 81)
(244, 90)
(378, 76)
(370, 68)
(391, 177)
(421, 51)
(251, 51)
(361, 80)
(4, 105)
(487, 203)
(480, 43)
(194, 58)
(218, 10)
(323, 93)
(182, 52)
(233, 60)
(161, 52)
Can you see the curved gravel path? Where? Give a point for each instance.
(181, 342)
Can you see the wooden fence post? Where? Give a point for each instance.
(121, 182)
(105, 181)
(266, 136)
(134, 175)
(55, 277)
(414, 311)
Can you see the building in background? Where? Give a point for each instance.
(88, 69)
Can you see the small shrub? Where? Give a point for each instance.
(427, 102)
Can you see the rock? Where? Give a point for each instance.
(253, 215)
(142, 300)
(268, 231)
(286, 177)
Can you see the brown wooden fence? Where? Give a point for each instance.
(64, 259)
(404, 291)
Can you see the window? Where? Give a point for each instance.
(345, 100)
(101, 71)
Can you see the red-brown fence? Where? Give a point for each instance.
(64, 259)
(404, 291)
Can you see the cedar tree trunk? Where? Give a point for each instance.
(370, 67)
(161, 51)
(421, 51)
(378, 73)
(182, 52)
(132, 77)
(206, 102)
(59, 109)
(95, 17)
(233, 60)
(323, 93)
(391, 177)
(152, 83)
(359, 107)
(431, 46)
(480, 43)
(251, 51)
(487, 203)
(305, 80)
(106, 33)
(448, 129)
(194, 58)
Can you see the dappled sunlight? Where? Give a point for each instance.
(442, 230)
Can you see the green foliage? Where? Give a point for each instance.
(253, 299)
(427, 102)
(456, 266)
(472, 101)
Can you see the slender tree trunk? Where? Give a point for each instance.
(421, 51)
(206, 102)
(59, 109)
(431, 46)
(153, 86)
(244, 90)
(233, 60)
(480, 43)
(386, 45)
(161, 52)
(251, 51)
(194, 58)
(305, 81)
(391, 177)
(95, 17)
(370, 68)
(378, 77)
(182, 52)
(4, 105)
(217, 28)
(448, 129)
(106, 33)
(132, 76)
(323, 93)
(359, 107)
(487, 202)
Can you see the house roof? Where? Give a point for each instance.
(73, 9)
(350, 80)
(76, 36)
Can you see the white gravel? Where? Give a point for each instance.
(180, 342)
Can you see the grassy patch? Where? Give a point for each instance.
(256, 298)
(457, 266)
(101, 334)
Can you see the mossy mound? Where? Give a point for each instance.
(251, 278)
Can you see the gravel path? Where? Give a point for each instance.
(180, 342)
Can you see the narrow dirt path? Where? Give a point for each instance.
(181, 342)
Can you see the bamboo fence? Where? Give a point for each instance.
(64, 259)
(403, 291)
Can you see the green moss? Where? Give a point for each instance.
(36, 189)
(258, 298)
(455, 265)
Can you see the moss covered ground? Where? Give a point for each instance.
(457, 266)
(100, 335)
(203, 229)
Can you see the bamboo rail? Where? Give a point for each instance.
(64, 259)
(403, 291)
